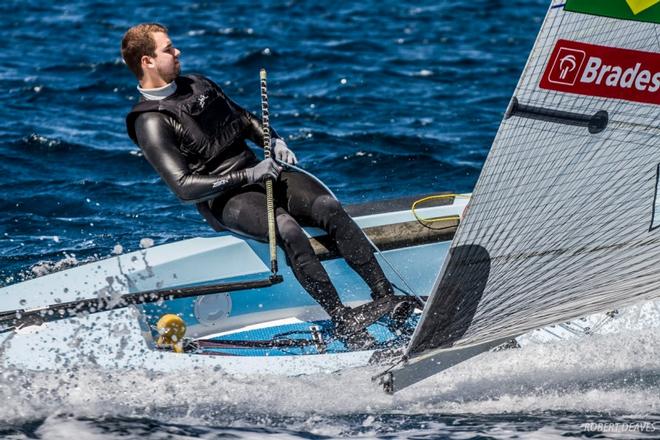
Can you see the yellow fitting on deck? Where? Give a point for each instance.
(171, 329)
(428, 221)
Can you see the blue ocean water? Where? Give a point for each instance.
(377, 98)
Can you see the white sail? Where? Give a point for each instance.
(562, 221)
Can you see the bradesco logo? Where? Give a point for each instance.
(610, 72)
(566, 66)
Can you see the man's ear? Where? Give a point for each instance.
(146, 62)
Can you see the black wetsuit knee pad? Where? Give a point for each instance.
(327, 206)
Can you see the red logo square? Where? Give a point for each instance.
(566, 66)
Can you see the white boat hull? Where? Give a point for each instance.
(123, 339)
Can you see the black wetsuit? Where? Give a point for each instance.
(200, 168)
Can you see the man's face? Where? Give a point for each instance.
(166, 62)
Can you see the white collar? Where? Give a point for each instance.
(159, 92)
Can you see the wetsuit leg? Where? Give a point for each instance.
(310, 202)
(244, 212)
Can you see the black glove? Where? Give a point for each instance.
(266, 169)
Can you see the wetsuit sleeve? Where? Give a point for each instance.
(158, 141)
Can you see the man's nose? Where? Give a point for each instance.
(177, 52)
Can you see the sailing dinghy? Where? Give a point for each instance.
(236, 318)
(79, 315)
(562, 224)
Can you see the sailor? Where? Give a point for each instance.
(194, 135)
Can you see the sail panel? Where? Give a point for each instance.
(559, 224)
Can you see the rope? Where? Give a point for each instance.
(427, 222)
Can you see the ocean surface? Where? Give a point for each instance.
(379, 99)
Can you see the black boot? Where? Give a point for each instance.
(351, 323)
(401, 312)
(405, 304)
(350, 328)
(382, 289)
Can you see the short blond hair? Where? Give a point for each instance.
(138, 42)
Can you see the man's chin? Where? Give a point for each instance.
(168, 79)
(171, 76)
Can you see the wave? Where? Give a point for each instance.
(106, 67)
(367, 425)
(568, 376)
(355, 46)
(222, 31)
(37, 143)
(404, 143)
(68, 94)
(257, 58)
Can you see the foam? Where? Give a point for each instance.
(609, 373)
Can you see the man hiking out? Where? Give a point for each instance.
(194, 136)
